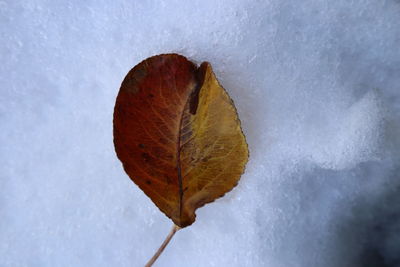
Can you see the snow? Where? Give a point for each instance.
(317, 87)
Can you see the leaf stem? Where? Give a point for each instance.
(174, 229)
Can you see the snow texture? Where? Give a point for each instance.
(317, 87)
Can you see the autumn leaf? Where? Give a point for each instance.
(178, 136)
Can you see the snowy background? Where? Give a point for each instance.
(317, 87)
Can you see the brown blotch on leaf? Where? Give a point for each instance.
(194, 96)
(146, 157)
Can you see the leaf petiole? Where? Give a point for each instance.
(174, 229)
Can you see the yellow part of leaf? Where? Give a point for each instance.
(213, 148)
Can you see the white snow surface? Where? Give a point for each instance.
(317, 88)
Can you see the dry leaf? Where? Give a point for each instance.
(178, 135)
